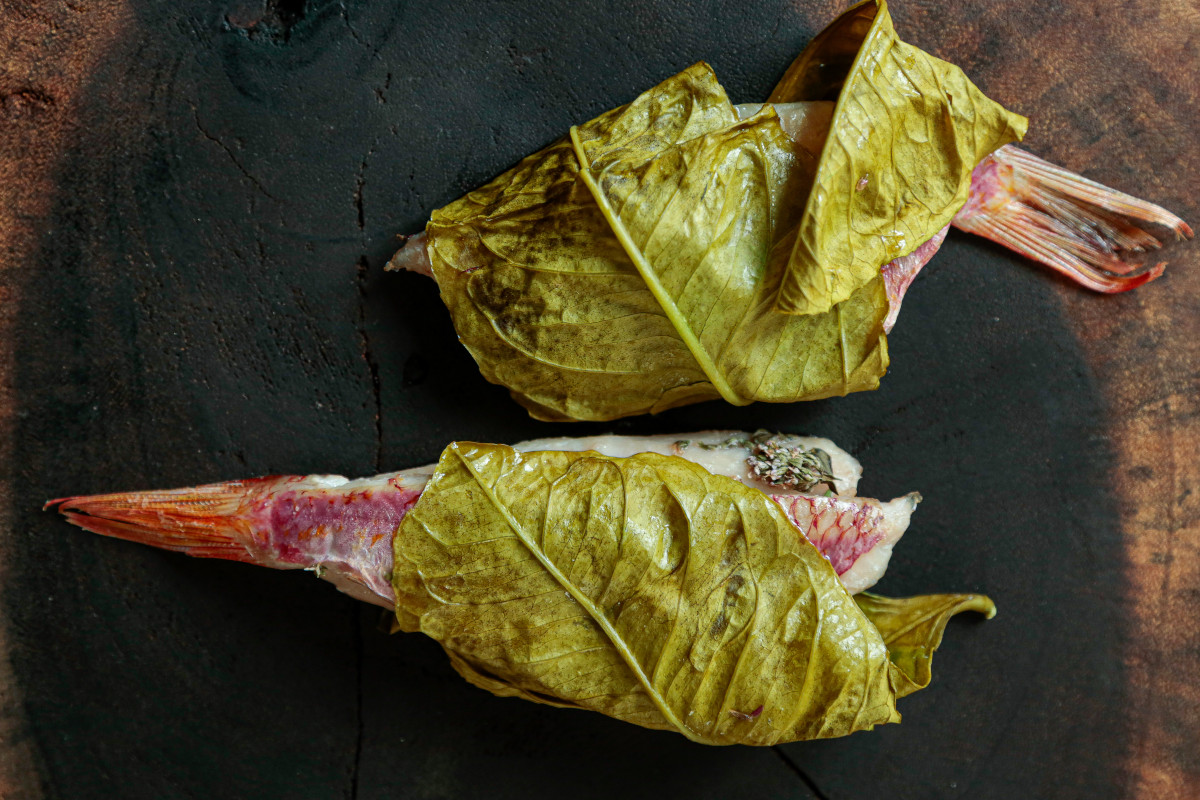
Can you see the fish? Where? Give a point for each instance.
(672, 581)
(682, 248)
(1096, 236)
(341, 529)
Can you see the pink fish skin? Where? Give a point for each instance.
(856, 534)
(841, 529)
(342, 530)
(899, 274)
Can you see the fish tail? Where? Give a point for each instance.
(1097, 236)
(208, 521)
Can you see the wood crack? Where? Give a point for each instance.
(808, 782)
(355, 35)
(360, 182)
(369, 358)
(229, 152)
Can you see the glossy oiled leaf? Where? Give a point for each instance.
(645, 588)
(633, 267)
(906, 133)
(912, 628)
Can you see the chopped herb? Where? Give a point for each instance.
(780, 464)
(775, 462)
(758, 437)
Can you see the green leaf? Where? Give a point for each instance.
(641, 262)
(548, 303)
(645, 588)
(633, 267)
(912, 628)
(906, 133)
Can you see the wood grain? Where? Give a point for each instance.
(198, 201)
(49, 54)
(1114, 93)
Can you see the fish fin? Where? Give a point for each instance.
(202, 521)
(1097, 236)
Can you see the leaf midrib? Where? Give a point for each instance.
(665, 301)
(584, 601)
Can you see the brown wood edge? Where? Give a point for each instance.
(1113, 93)
(50, 52)
(1147, 360)
(1154, 400)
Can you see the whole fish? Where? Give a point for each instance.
(682, 248)
(695, 578)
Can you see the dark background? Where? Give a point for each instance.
(211, 191)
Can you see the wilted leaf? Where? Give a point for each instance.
(912, 628)
(640, 263)
(645, 588)
(646, 279)
(907, 131)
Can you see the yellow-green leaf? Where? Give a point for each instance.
(633, 266)
(906, 133)
(641, 262)
(645, 588)
(912, 628)
(548, 303)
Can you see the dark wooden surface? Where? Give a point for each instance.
(197, 200)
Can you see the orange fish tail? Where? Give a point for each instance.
(1097, 236)
(209, 521)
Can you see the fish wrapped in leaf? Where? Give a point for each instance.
(709, 585)
(680, 248)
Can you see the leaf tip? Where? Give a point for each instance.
(989, 608)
